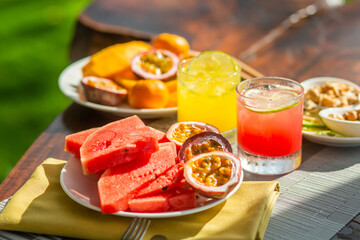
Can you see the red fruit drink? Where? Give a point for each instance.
(269, 125)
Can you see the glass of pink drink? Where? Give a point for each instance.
(269, 125)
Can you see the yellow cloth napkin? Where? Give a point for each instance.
(41, 206)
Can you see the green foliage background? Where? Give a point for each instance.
(35, 39)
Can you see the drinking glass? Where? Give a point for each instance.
(269, 125)
(208, 98)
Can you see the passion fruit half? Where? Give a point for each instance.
(155, 64)
(103, 91)
(213, 174)
(203, 143)
(179, 132)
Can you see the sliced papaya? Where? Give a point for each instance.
(115, 59)
(126, 73)
(125, 82)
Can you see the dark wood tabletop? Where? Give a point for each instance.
(326, 44)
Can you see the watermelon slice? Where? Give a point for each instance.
(74, 141)
(165, 183)
(150, 204)
(183, 201)
(117, 143)
(164, 202)
(160, 136)
(119, 184)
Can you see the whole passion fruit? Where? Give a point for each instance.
(213, 174)
(103, 91)
(155, 64)
(203, 143)
(179, 132)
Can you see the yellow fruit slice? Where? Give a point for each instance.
(125, 83)
(312, 120)
(268, 101)
(115, 58)
(213, 64)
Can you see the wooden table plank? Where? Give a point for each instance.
(208, 25)
(325, 45)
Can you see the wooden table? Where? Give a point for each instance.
(324, 45)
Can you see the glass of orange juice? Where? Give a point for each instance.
(207, 91)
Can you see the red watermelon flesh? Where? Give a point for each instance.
(160, 136)
(117, 143)
(150, 204)
(119, 184)
(164, 202)
(182, 201)
(165, 183)
(74, 141)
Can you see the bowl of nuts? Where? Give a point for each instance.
(326, 92)
(323, 93)
(344, 120)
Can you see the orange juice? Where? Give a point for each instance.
(207, 90)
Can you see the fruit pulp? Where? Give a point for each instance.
(269, 121)
(208, 95)
(212, 170)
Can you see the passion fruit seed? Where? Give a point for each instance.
(213, 174)
(185, 131)
(202, 143)
(213, 171)
(156, 63)
(208, 145)
(103, 84)
(102, 91)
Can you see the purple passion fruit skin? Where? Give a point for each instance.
(179, 132)
(155, 64)
(213, 174)
(103, 91)
(202, 143)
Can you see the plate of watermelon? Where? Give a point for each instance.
(129, 169)
(83, 190)
(69, 82)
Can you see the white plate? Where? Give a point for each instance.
(70, 78)
(309, 83)
(83, 190)
(327, 140)
(332, 141)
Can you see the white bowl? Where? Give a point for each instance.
(317, 81)
(345, 127)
